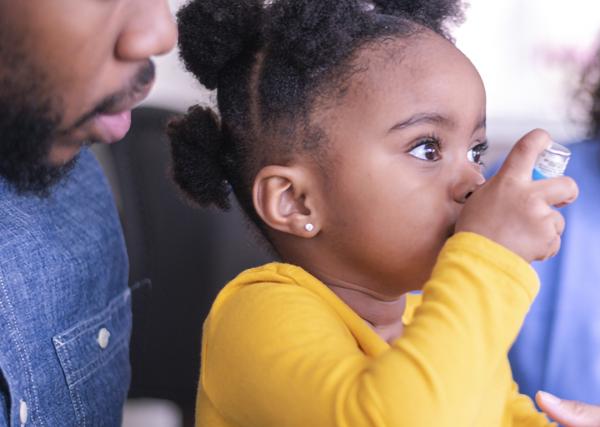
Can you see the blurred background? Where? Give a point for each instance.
(530, 54)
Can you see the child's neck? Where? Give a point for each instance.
(383, 314)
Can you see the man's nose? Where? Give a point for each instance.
(149, 30)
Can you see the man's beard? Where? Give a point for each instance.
(29, 122)
(30, 119)
(26, 136)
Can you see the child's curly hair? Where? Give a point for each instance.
(271, 62)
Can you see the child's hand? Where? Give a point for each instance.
(515, 211)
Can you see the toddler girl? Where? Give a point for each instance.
(352, 135)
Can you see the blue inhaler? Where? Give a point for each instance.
(552, 162)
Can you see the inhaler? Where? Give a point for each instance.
(552, 162)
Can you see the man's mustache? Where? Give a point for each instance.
(144, 76)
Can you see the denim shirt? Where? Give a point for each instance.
(558, 349)
(65, 315)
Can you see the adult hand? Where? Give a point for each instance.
(568, 412)
(517, 212)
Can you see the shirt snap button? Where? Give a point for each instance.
(23, 412)
(103, 338)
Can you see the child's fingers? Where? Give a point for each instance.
(559, 223)
(555, 229)
(569, 413)
(558, 191)
(522, 157)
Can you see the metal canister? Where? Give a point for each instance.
(552, 162)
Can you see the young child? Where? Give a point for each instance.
(351, 133)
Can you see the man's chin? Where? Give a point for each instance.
(63, 154)
(37, 179)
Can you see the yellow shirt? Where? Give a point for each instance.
(281, 349)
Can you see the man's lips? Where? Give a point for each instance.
(112, 126)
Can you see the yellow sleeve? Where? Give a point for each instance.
(277, 356)
(524, 412)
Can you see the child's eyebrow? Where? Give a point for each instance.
(481, 125)
(421, 118)
(434, 118)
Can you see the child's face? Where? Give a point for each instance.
(405, 147)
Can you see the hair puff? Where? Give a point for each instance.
(197, 148)
(212, 33)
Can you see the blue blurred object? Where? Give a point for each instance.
(558, 349)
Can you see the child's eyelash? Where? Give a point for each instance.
(429, 139)
(483, 146)
(481, 149)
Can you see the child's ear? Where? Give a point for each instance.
(285, 200)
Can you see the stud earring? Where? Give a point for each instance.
(309, 227)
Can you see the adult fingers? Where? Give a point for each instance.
(568, 412)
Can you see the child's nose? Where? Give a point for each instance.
(469, 179)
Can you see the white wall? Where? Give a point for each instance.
(175, 88)
(530, 54)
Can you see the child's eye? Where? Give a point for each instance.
(476, 153)
(427, 149)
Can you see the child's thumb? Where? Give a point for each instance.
(568, 412)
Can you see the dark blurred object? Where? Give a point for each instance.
(186, 254)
